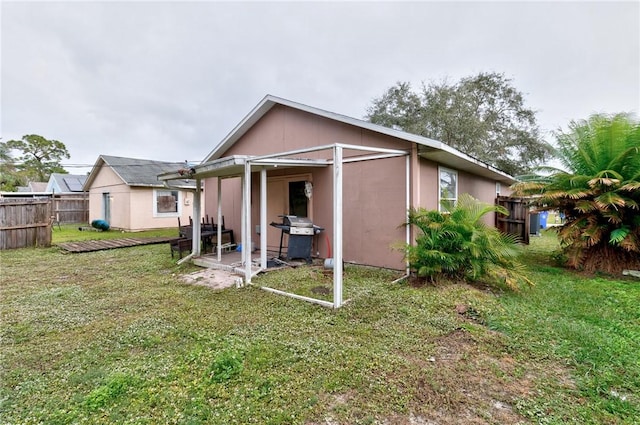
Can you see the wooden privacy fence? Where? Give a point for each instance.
(70, 208)
(517, 222)
(25, 222)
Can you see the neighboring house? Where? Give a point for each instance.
(70, 203)
(33, 187)
(65, 183)
(127, 194)
(297, 150)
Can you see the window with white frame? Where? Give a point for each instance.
(166, 203)
(448, 194)
(498, 188)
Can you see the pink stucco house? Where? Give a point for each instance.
(351, 177)
(127, 194)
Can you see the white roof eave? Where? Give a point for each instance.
(222, 167)
(433, 149)
(455, 159)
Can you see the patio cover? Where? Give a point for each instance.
(242, 166)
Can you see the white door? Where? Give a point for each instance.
(106, 207)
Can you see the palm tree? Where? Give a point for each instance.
(457, 244)
(598, 192)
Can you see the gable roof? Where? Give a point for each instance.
(66, 183)
(430, 149)
(36, 187)
(135, 172)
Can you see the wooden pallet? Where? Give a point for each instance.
(99, 245)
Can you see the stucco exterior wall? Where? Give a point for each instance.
(142, 206)
(231, 202)
(283, 129)
(106, 181)
(374, 200)
(132, 207)
(480, 188)
(428, 185)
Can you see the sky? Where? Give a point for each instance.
(168, 80)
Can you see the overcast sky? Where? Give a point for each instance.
(168, 80)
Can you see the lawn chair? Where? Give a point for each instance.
(180, 245)
(210, 226)
(185, 240)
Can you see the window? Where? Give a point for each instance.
(166, 203)
(498, 188)
(448, 189)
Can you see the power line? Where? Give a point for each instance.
(191, 163)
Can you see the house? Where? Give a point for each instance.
(353, 178)
(33, 187)
(69, 203)
(33, 190)
(127, 194)
(65, 183)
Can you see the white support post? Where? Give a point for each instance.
(408, 205)
(243, 228)
(337, 226)
(246, 237)
(263, 218)
(195, 231)
(219, 221)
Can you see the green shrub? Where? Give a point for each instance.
(457, 244)
(105, 394)
(225, 366)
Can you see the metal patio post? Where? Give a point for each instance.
(337, 226)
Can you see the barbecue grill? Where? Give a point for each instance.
(301, 231)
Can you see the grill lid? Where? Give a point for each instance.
(295, 221)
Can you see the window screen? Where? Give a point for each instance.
(448, 189)
(167, 201)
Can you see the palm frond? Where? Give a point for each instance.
(612, 216)
(586, 206)
(610, 199)
(618, 235)
(631, 243)
(603, 181)
(630, 186)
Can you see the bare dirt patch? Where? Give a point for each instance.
(463, 382)
(211, 278)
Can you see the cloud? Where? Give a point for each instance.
(168, 80)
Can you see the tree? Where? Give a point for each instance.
(40, 157)
(483, 116)
(10, 179)
(599, 193)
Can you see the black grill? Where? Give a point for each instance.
(301, 231)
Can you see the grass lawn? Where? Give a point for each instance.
(68, 233)
(115, 337)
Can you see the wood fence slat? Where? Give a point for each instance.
(25, 226)
(104, 244)
(24, 223)
(517, 222)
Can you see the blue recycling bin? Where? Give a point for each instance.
(100, 225)
(544, 215)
